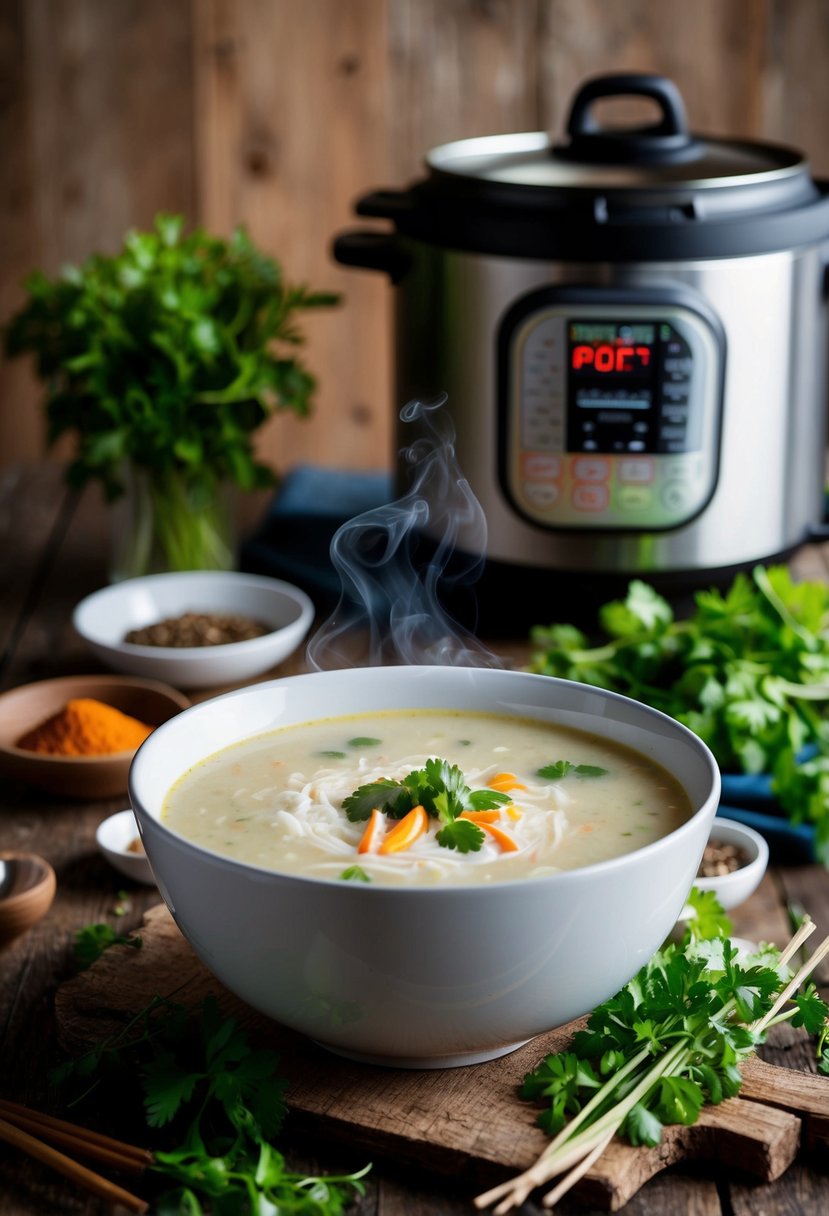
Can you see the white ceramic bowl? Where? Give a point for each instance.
(734, 888)
(114, 837)
(103, 619)
(430, 976)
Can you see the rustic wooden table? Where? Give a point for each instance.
(52, 553)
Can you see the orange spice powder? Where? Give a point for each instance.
(85, 727)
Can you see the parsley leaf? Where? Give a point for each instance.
(92, 940)
(669, 1041)
(747, 670)
(355, 874)
(363, 741)
(391, 797)
(462, 835)
(561, 768)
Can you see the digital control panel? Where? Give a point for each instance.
(609, 411)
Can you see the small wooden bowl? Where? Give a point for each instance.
(22, 709)
(27, 888)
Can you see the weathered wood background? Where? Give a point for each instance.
(279, 113)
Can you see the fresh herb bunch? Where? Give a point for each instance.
(748, 672)
(168, 355)
(441, 789)
(665, 1045)
(221, 1103)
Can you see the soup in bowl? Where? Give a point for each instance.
(423, 866)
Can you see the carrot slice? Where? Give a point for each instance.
(504, 782)
(373, 830)
(405, 833)
(506, 842)
(480, 816)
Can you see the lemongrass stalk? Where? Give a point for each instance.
(552, 1197)
(794, 983)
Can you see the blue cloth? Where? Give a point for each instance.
(748, 799)
(293, 540)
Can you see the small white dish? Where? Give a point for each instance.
(104, 618)
(734, 888)
(114, 837)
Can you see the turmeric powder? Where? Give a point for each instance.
(85, 727)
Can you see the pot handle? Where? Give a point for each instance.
(372, 251)
(661, 142)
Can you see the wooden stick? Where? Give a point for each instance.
(82, 1139)
(69, 1168)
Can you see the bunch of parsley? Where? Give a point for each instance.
(748, 671)
(168, 354)
(220, 1103)
(666, 1044)
(441, 789)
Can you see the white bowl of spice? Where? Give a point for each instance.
(733, 863)
(195, 629)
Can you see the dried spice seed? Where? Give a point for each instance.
(198, 629)
(719, 858)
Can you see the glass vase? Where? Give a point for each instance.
(169, 521)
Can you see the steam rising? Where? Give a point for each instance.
(395, 560)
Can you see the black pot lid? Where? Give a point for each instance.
(654, 193)
(533, 160)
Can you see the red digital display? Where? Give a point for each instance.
(609, 357)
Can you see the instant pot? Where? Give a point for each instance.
(630, 325)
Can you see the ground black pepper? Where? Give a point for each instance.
(198, 629)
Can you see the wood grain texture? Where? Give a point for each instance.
(464, 1122)
(279, 115)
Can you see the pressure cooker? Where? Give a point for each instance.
(631, 328)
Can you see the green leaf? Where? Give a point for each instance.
(364, 741)
(642, 1126)
(679, 1100)
(812, 1011)
(92, 940)
(486, 800)
(355, 874)
(167, 1085)
(385, 795)
(709, 919)
(461, 835)
(562, 768)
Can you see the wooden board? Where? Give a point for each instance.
(466, 1121)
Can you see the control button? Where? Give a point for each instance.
(590, 497)
(676, 495)
(536, 466)
(591, 469)
(636, 469)
(675, 468)
(634, 498)
(541, 494)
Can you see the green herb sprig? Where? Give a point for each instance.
(748, 671)
(220, 1103)
(666, 1044)
(168, 354)
(441, 789)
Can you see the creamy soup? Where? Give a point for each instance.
(285, 800)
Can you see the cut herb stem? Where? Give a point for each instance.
(691, 1006)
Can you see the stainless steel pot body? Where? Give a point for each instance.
(768, 449)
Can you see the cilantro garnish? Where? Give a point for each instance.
(355, 874)
(364, 741)
(662, 1047)
(561, 768)
(333, 755)
(747, 671)
(221, 1102)
(92, 940)
(441, 789)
